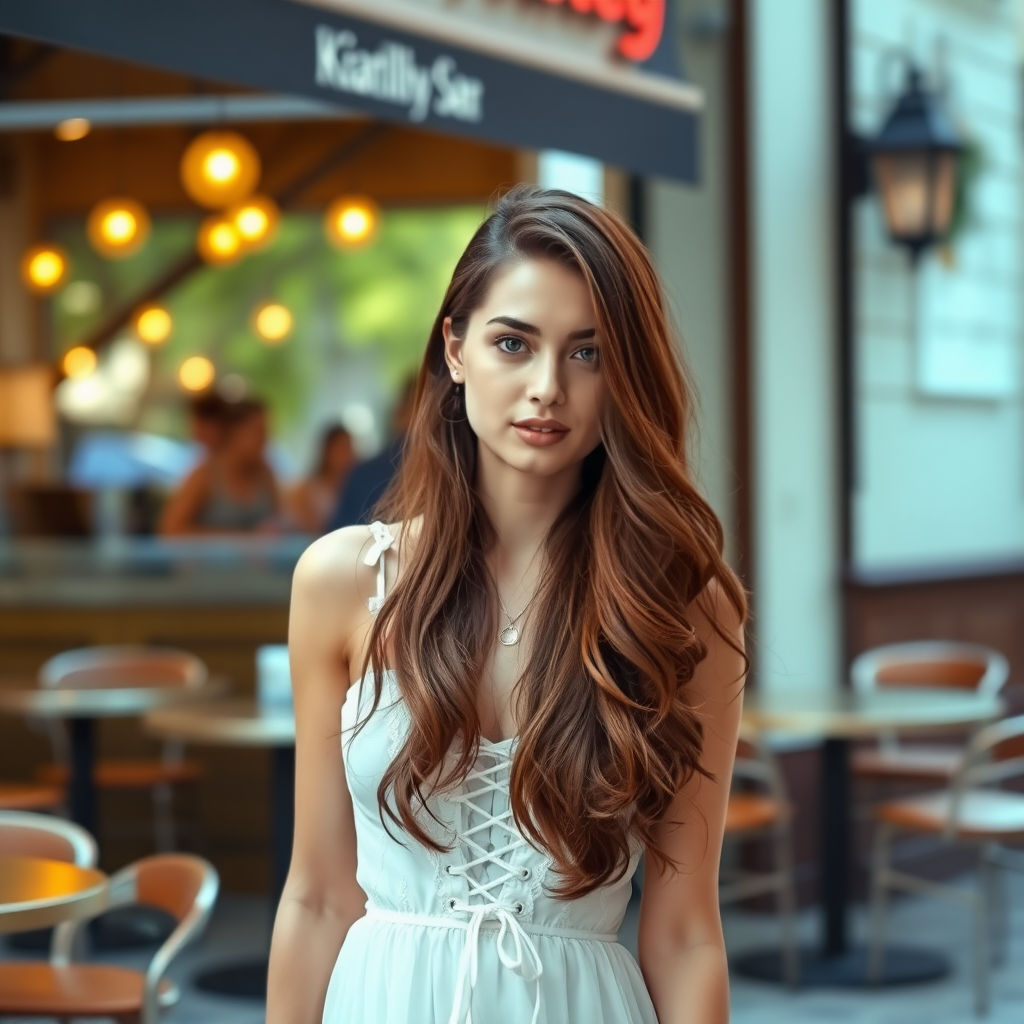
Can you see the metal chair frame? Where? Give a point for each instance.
(866, 666)
(978, 772)
(763, 770)
(84, 851)
(194, 674)
(123, 892)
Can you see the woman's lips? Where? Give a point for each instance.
(538, 436)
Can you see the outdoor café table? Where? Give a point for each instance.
(836, 717)
(243, 723)
(81, 706)
(37, 893)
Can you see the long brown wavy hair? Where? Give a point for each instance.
(607, 735)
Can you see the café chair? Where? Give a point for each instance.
(926, 663)
(39, 835)
(112, 666)
(29, 796)
(754, 814)
(974, 811)
(183, 885)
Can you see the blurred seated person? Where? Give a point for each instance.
(312, 501)
(233, 489)
(206, 415)
(369, 480)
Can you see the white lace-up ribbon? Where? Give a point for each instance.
(382, 540)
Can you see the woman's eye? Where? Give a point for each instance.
(513, 346)
(587, 355)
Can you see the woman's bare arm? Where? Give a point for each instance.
(321, 898)
(682, 951)
(184, 505)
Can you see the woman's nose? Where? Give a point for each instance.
(546, 382)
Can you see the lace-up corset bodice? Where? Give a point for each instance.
(484, 901)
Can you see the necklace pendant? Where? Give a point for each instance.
(509, 636)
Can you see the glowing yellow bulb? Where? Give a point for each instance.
(43, 268)
(118, 227)
(273, 322)
(196, 373)
(252, 223)
(352, 221)
(220, 168)
(219, 241)
(73, 128)
(256, 221)
(153, 325)
(79, 362)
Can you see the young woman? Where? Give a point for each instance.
(311, 502)
(536, 665)
(233, 490)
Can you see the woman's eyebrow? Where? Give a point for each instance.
(521, 325)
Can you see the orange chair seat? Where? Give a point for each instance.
(926, 764)
(25, 796)
(983, 814)
(78, 990)
(140, 774)
(749, 811)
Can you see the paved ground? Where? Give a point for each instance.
(241, 926)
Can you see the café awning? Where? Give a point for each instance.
(537, 74)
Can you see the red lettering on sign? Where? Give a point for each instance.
(643, 19)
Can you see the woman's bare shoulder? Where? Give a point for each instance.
(332, 573)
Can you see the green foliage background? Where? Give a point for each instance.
(378, 300)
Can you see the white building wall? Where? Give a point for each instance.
(795, 450)
(687, 231)
(940, 468)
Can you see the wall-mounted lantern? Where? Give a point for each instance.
(914, 162)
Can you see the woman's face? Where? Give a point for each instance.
(530, 363)
(339, 455)
(248, 439)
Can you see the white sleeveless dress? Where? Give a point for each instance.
(471, 934)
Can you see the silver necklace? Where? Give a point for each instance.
(509, 636)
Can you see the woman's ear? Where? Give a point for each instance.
(452, 348)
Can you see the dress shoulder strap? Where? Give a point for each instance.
(382, 540)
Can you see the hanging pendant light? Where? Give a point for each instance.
(273, 322)
(153, 324)
(256, 220)
(118, 228)
(44, 268)
(196, 373)
(219, 169)
(218, 241)
(351, 221)
(78, 362)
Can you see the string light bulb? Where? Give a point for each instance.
(219, 169)
(351, 221)
(256, 220)
(196, 373)
(44, 268)
(78, 362)
(153, 324)
(118, 228)
(218, 240)
(273, 322)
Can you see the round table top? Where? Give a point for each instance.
(845, 714)
(37, 893)
(234, 723)
(103, 702)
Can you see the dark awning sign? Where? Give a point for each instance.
(454, 67)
